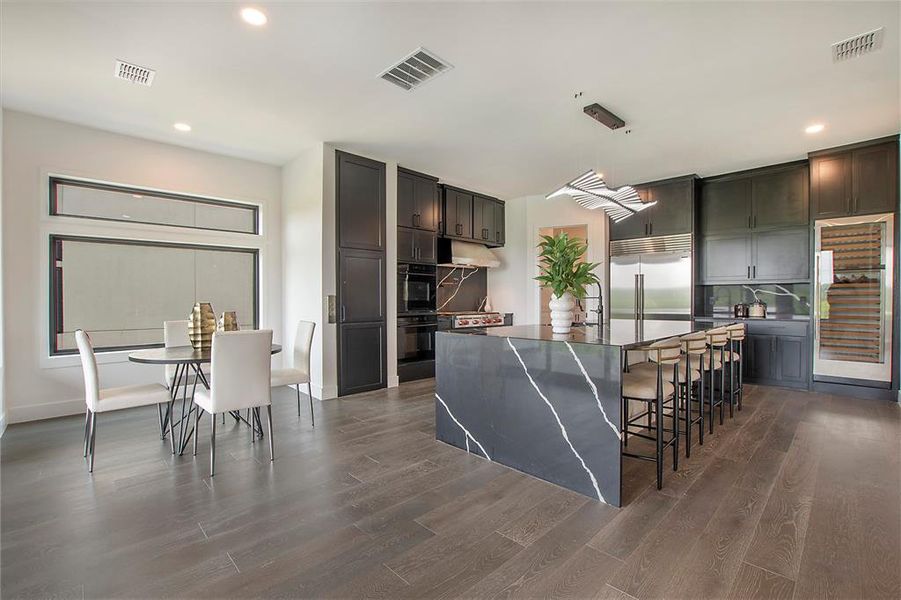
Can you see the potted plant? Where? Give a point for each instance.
(567, 278)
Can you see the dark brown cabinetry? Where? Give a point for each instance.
(777, 353)
(672, 214)
(777, 256)
(417, 200)
(472, 217)
(415, 246)
(361, 318)
(855, 180)
(759, 199)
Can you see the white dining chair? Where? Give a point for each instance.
(299, 373)
(105, 400)
(241, 369)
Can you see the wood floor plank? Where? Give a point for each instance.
(753, 583)
(626, 531)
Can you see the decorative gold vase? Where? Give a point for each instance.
(201, 326)
(228, 321)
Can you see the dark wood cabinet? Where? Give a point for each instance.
(726, 206)
(361, 294)
(457, 213)
(417, 200)
(483, 229)
(777, 353)
(874, 179)
(415, 246)
(672, 214)
(780, 198)
(472, 217)
(726, 258)
(781, 255)
(854, 180)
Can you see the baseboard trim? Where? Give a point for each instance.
(46, 410)
(325, 392)
(855, 391)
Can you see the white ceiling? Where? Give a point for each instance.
(705, 88)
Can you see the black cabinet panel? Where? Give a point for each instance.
(360, 191)
(780, 198)
(874, 176)
(483, 229)
(362, 283)
(673, 212)
(500, 225)
(791, 359)
(425, 247)
(406, 199)
(406, 246)
(726, 258)
(362, 360)
(782, 254)
(761, 350)
(457, 213)
(830, 185)
(426, 197)
(726, 205)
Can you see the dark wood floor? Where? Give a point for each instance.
(797, 497)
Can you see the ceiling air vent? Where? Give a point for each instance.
(857, 45)
(134, 73)
(417, 68)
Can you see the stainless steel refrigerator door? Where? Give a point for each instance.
(624, 271)
(666, 293)
(853, 299)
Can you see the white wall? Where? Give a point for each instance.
(2, 330)
(512, 286)
(38, 386)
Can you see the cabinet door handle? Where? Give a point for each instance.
(755, 271)
(342, 313)
(416, 220)
(459, 229)
(650, 229)
(749, 271)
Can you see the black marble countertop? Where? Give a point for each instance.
(728, 317)
(627, 333)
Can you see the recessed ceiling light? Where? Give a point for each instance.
(815, 128)
(254, 16)
(182, 127)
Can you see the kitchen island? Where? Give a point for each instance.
(546, 404)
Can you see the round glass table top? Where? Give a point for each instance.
(177, 355)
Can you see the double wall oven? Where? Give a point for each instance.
(416, 321)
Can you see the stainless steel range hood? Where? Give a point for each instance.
(465, 254)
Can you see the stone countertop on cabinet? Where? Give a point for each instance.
(626, 333)
(726, 317)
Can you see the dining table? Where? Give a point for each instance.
(188, 361)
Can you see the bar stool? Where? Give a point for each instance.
(691, 364)
(736, 380)
(655, 392)
(717, 340)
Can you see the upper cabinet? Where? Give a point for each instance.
(472, 217)
(417, 200)
(672, 213)
(855, 180)
(762, 199)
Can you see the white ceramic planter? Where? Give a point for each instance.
(562, 312)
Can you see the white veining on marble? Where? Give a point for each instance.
(594, 390)
(785, 292)
(594, 481)
(459, 424)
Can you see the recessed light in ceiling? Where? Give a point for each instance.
(182, 127)
(254, 16)
(815, 128)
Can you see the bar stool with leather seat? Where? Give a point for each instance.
(691, 364)
(717, 340)
(656, 392)
(734, 357)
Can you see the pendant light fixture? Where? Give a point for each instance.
(591, 191)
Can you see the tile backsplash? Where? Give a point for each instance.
(781, 299)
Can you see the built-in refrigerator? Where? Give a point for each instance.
(853, 300)
(651, 278)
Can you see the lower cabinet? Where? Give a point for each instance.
(777, 358)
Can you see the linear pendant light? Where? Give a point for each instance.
(590, 191)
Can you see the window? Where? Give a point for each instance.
(88, 200)
(121, 291)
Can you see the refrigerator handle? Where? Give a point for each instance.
(637, 296)
(641, 283)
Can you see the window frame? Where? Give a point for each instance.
(56, 180)
(55, 296)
